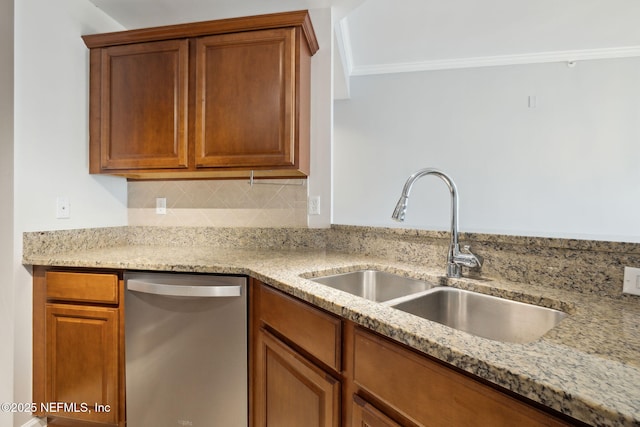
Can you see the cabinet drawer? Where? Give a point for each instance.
(429, 393)
(314, 331)
(88, 287)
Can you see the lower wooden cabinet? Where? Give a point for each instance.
(308, 367)
(293, 382)
(290, 390)
(380, 383)
(78, 372)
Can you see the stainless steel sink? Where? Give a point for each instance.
(483, 315)
(374, 285)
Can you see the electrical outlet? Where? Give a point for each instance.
(631, 281)
(63, 208)
(314, 205)
(161, 205)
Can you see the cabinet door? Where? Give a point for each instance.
(365, 415)
(142, 108)
(82, 362)
(291, 391)
(245, 99)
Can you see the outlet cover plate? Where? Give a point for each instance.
(63, 208)
(314, 205)
(161, 205)
(631, 281)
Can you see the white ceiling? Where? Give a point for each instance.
(383, 36)
(147, 13)
(436, 34)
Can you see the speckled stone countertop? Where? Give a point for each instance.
(588, 367)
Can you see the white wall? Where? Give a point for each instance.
(568, 167)
(321, 117)
(6, 208)
(51, 143)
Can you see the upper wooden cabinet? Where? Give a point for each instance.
(142, 92)
(214, 99)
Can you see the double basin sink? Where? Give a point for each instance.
(482, 315)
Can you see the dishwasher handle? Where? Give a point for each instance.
(208, 291)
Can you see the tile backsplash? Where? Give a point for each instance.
(220, 203)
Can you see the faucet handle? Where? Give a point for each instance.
(468, 258)
(479, 258)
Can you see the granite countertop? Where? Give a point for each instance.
(588, 367)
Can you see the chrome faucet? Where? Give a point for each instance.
(455, 258)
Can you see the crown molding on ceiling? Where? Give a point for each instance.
(344, 45)
(568, 56)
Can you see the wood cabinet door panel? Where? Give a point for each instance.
(143, 109)
(82, 360)
(291, 391)
(245, 99)
(366, 415)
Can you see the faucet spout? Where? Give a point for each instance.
(455, 259)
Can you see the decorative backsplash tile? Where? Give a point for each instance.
(228, 203)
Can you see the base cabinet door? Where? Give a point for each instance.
(82, 359)
(290, 390)
(366, 415)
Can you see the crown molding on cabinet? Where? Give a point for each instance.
(568, 56)
(299, 18)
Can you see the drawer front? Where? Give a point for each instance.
(87, 287)
(428, 393)
(314, 331)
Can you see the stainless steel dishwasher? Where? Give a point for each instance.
(186, 350)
